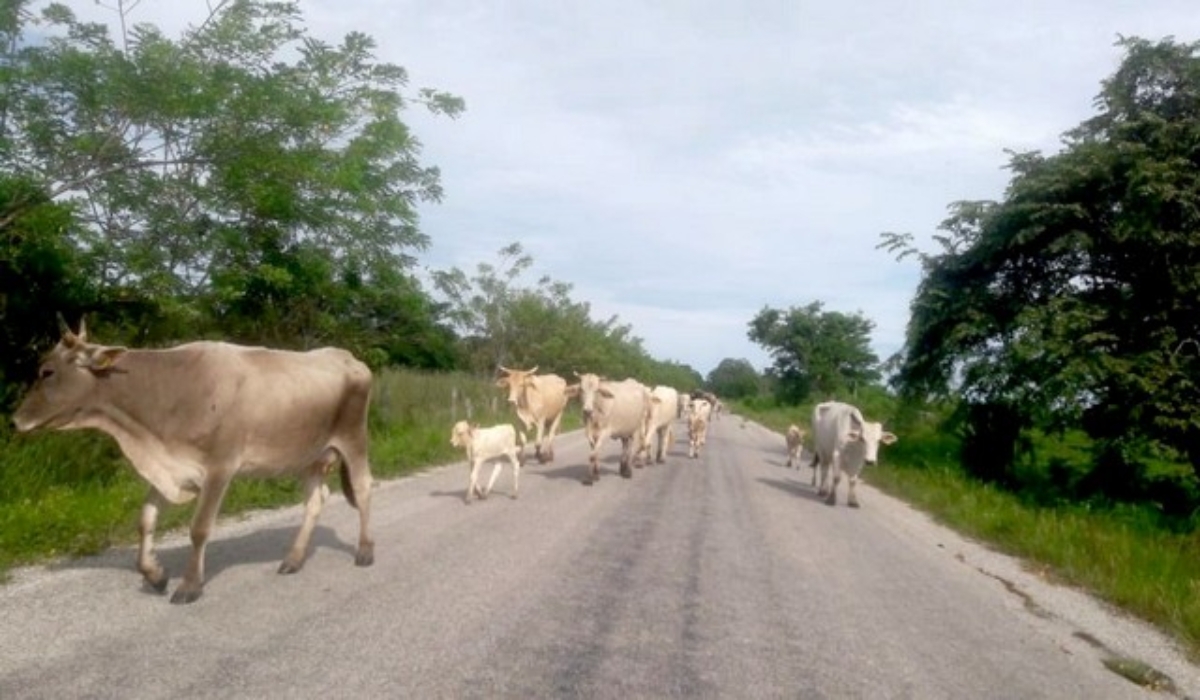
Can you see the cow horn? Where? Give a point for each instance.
(68, 336)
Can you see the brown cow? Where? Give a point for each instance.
(192, 417)
(538, 400)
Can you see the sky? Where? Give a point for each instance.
(684, 164)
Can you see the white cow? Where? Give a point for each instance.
(483, 444)
(614, 410)
(795, 442)
(539, 400)
(660, 421)
(844, 442)
(698, 417)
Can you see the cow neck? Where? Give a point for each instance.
(138, 401)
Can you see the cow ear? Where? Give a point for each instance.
(103, 359)
(888, 438)
(572, 390)
(605, 393)
(502, 382)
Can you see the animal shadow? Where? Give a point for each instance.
(794, 487)
(268, 545)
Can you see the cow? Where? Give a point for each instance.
(614, 410)
(660, 421)
(845, 442)
(539, 400)
(192, 417)
(483, 444)
(795, 442)
(698, 417)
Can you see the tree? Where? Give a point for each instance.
(1075, 301)
(734, 379)
(40, 269)
(816, 352)
(246, 166)
(505, 321)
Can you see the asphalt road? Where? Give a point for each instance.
(721, 577)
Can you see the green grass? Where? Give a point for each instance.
(1122, 553)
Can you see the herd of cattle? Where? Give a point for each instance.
(191, 417)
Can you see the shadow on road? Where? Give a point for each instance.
(258, 547)
(796, 488)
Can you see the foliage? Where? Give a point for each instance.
(1076, 300)
(246, 180)
(734, 379)
(506, 323)
(816, 353)
(40, 269)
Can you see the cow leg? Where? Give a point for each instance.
(626, 457)
(147, 562)
(473, 482)
(203, 521)
(315, 494)
(597, 440)
(360, 477)
(516, 465)
(831, 498)
(496, 467)
(852, 498)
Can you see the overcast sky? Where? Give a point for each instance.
(685, 163)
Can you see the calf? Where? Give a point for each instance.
(483, 444)
(698, 417)
(795, 440)
(844, 442)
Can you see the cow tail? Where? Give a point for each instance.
(347, 485)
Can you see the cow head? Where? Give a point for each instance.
(870, 436)
(460, 434)
(516, 381)
(67, 378)
(589, 389)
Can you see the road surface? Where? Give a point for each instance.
(720, 577)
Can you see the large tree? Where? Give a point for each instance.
(1076, 299)
(246, 168)
(819, 353)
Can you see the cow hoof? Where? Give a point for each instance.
(287, 567)
(183, 596)
(365, 556)
(159, 586)
(853, 504)
(627, 473)
(588, 482)
(830, 501)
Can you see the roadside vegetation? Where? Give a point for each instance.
(248, 183)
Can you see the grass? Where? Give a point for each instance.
(1120, 553)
